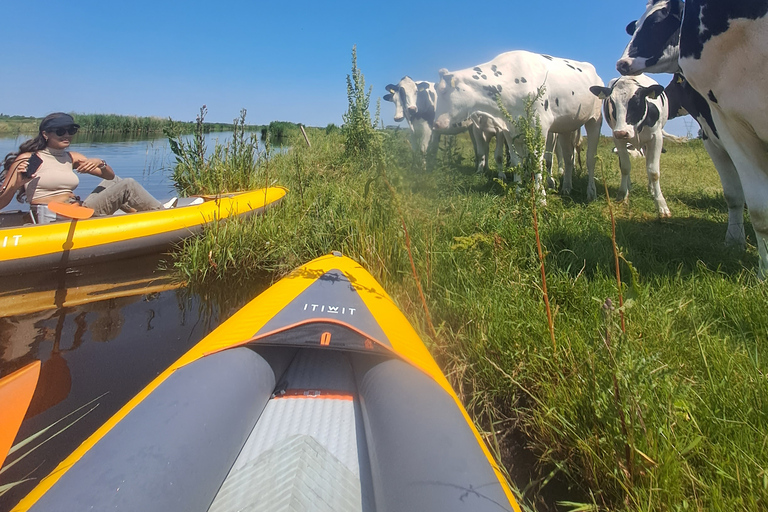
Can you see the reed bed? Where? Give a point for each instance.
(668, 412)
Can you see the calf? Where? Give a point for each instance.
(721, 51)
(636, 110)
(565, 106)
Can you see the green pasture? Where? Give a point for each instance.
(670, 415)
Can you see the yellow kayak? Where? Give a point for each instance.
(317, 395)
(61, 244)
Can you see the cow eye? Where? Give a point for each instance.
(631, 27)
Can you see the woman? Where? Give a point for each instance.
(55, 179)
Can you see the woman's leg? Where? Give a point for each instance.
(112, 195)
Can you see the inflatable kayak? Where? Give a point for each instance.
(317, 395)
(61, 244)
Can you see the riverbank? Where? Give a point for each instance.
(673, 411)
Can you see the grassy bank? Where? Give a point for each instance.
(672, 415)
(659, 405)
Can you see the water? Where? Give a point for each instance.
(102, 332)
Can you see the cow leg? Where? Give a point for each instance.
(748, 154)
(560, 158)
(625, 164)
(498, 153)
(653, 168)
(434, 144)
(483, 148)
(475, 147)
(565, 147)
(732, 190)
(550, 144)
(593, 138)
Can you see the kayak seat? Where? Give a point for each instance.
(407, 412)
(174, 449)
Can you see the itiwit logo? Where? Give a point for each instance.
(14, 241)
(331, 310)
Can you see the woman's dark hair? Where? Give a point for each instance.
(28, 146)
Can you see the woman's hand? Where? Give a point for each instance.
(95, 166)
(89, 165)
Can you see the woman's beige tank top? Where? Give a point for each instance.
(55, 174)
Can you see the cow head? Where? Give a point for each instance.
(655, 43)
(626, 106)
(408, 103)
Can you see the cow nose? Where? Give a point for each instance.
(412, 110)
(623, 67)
(398, 118)
(621, 134)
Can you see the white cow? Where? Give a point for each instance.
(636, 110)
(721, 50)
(565, 106)
(415, 102)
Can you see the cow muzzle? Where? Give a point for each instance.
(621, 134)
(626, 67)
(442, 123)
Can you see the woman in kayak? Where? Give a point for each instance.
(54, 179)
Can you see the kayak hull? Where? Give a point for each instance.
(82, 242)
(317, 395)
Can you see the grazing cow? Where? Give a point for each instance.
(565, 106)
(721, 50)
(636, 110)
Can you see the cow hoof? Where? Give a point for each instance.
(565, 191)
(591, 192)
(665, 214)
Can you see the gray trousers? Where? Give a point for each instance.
(117, 194)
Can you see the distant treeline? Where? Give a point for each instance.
(111, 123)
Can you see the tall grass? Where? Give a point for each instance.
(232, 166)
(670, 415)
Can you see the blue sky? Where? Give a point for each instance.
(279, 60)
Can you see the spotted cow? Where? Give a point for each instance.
(565, 105)
(721, 49)
(636, 110)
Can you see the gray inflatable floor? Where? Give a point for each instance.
(307, 451)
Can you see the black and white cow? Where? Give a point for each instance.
(565, 106)
(636, 110)
(415, 102)
(722, 50)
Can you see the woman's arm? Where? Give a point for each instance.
(13, 180)
(95, 166)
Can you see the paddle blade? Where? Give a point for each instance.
(73, 211)
(16, 392)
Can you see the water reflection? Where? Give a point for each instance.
(102, 333)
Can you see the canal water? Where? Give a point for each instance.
(102, 332)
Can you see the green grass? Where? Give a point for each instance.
(688, 377)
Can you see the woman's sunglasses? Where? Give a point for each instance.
(61, 131)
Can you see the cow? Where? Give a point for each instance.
(565, 105)
(721, 51)
(635, 108)
(415, 102)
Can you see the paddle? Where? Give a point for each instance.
(73, 211)
(16, 392)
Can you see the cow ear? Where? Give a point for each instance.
(442, 72)
(600, 92)
(388, 97)
(392, 88)
(632, 27)
(653, 91)
(422, 86)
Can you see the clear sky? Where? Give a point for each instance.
(284, 61)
